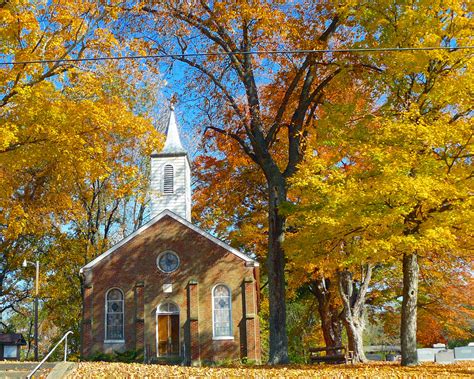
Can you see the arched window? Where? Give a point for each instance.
(168, 308)
(114, 315)
(168, 179)
(222, 312)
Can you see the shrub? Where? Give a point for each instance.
(128, 356)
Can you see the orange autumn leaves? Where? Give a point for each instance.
(390, 149)
(379, 370)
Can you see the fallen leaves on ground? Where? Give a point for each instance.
(370, 370)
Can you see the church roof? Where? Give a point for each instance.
(12, 339)
(173, 142)
(157, 218)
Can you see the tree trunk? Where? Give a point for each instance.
(355, 328)
(408, 322)
(276, 276)
(331, 324)
(353, 299)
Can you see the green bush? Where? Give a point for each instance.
(99, 356)
(297, 358)
(458, 343)
(248, 362)
(128, 356)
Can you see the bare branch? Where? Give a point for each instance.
(294, 134)
(284, 103)
(330, 29)
(236, 138)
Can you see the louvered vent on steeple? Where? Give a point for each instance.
(168, 179)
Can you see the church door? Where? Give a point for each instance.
(167, 330)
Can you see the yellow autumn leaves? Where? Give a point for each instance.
(378, 370)
(63, 123)
(54, 138)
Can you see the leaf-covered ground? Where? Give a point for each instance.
(372, 370)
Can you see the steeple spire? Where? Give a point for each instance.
(173, 143)
(170, 181)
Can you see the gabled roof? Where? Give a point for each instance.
(12, 339)
(155, 220)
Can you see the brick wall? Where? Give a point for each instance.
(203, 264)
(86, 330)
(139, 313)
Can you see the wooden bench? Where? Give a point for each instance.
(340, 355)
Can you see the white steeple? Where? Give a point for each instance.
(172, 143)
(170, 185)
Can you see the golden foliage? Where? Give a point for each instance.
(378, 370)
(391, 163)
(72, 138)
(62, 123)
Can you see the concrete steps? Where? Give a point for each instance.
(61, 370)
(167, 360)
(16, 370)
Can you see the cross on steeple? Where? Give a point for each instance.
(173, 101)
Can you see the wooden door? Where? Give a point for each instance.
(168, 335)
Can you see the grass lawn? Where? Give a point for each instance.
(371, 370)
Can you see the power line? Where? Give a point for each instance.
(258, 52)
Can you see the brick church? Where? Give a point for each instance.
(171, 289)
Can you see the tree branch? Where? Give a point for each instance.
(237, 138)
(294, 134)
(329, 30)
(284, 103)
(367, 275)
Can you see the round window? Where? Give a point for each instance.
(167, 261)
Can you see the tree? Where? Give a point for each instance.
(235, 86)
(229, 196)
(331, 229)
(353, 312)
(230, 199)
(331, 240)
(325, 290)
(444, 307)
(427, 116)
(56, 31)
(72, 137)
(405, 162)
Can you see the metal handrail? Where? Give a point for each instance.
(47, 356)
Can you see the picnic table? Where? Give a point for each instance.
(337, 354)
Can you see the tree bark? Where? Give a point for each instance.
(354, 329)
(276, 276)
(331, 324)
(409, 303)
(353, 299)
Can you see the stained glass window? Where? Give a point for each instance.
(222, 311)
(114, 315)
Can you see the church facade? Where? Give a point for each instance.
(171, 289)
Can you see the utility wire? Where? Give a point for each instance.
(258, 52)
